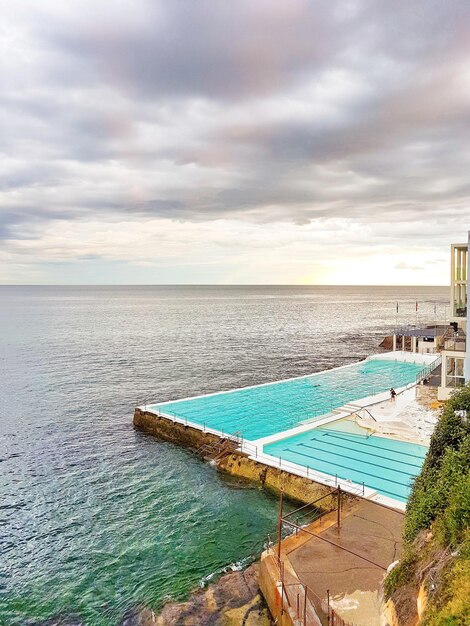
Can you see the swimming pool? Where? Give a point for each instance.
(385, 465)
(264, 410)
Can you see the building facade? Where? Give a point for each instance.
(455, 370)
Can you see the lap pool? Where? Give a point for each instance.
(385, 465)
(263, 410)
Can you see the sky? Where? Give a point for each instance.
(221, 141)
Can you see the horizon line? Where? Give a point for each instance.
(214, 285)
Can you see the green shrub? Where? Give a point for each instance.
(443, 479)
(440, 500)
(451, 606)
(400, 575)
(456, 515)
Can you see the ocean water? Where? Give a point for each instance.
(97, 519)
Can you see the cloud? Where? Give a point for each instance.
(406, 266)
(253, 115)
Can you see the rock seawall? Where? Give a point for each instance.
(166, 429)
(237, 464)
(231, 601)
(295, 487)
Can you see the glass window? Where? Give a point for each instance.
(454, 372)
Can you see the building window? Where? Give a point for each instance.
(459, 281)
(454, 372)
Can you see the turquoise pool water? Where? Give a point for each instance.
(386, 465)
(265, 410)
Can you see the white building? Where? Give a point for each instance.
(456, 353)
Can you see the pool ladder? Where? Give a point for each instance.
(217, 450)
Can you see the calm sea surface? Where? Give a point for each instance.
(97, 519)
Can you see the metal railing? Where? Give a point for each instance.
(305, 471)
(456, 344)
(426, 371)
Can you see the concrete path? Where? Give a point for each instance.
(372, 531)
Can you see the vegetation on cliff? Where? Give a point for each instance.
(437, 535)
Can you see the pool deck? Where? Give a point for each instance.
(379, 410)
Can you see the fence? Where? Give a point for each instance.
(335, 481)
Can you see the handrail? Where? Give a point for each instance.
(327, 495)
(296, 596)
(333, 543)
(300, 601)
(299, 606)
(367, 411)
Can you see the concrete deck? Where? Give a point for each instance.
(371, 531)
(405, 418)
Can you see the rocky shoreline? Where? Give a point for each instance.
(234, 600)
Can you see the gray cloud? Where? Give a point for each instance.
(289, 111)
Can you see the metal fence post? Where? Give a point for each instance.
(279, 528)
(339, 506)
(282, 587)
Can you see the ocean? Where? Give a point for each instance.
(97, 519)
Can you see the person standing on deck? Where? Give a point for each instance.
(393, 394)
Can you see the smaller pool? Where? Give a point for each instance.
(386, 465)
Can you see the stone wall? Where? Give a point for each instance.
(166, 429)
(295, 487)
(237, 464)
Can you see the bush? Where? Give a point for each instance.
(443, 484)
(440, 499)
(451, 607)
(400, 575)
